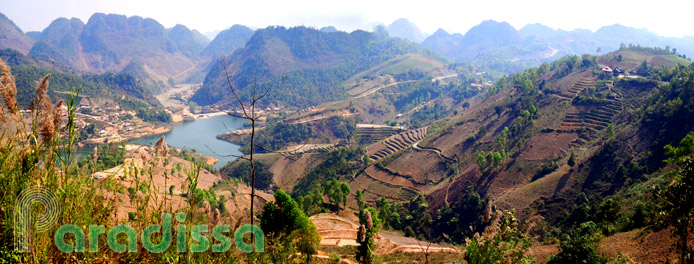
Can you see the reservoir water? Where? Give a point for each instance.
(201, 136)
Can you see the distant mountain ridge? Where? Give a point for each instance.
(109, 42)
(492, 42)
(189, 42)
(227, 41)
(403, 28)
(12, 36)
(60, 43)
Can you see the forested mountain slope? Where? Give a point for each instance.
(315, 63)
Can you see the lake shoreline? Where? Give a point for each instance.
(201, 135)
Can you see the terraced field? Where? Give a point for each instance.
(594, 119)
(590, 119)
(369, 134)
(395, 143)
(298, 149)
(341, 231)
(579, 86)
(374, 189)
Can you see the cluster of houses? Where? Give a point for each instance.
(479, 86)
(310, 109)
(616, 71)
(183, 96)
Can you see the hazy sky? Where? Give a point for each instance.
(667, 18)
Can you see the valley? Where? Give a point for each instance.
(535, 145)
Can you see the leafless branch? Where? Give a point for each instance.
(226, 156)
(234, 114)
(227, 128)
(231, 87)
(250, 114)
(220, 110)
(426, 251)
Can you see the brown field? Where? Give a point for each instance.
(287, 171)
(640, 246)
(547, 146)
(338, 231)
(522, 197)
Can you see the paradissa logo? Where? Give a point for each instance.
(201, 243)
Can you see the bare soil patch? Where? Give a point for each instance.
(640, 246)
(547, 146)
(342, 231)
(287, 171)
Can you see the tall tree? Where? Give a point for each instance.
(285, 222)
(337, 192)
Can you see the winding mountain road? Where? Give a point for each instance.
(373, 90)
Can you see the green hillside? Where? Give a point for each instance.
(108, 85)
(562, 146)
(315, 63)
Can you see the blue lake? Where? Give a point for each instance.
(201, 136)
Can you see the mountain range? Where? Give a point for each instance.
(109, 42)
(492, 43)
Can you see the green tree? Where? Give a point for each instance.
(608, 211)
(193, 107)
(501, 242)
(498, 159)
(334, 259)
(288, 227)
(684, 149)
(528, 86)
(312, 203)
(384, 212)
(572, 160)
(360, 199)
(481, 160)
(366, 159)
(533, 109)
(501, 138)
(241, 169)
(337, 192)
(610, 131)
(489, 158)
(643, 70)
(677, 208)
(575, 247)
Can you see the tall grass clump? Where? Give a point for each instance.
(37, 148)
